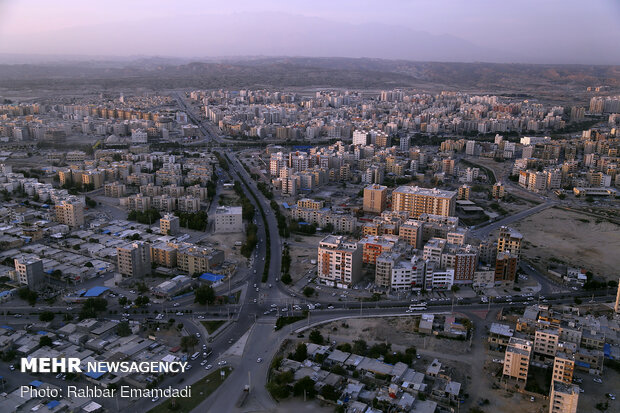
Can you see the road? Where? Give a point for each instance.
(483, 231)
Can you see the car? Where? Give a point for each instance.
(189, 366)
(59, 375)
(254, 285)
(69, 308)
(257, 289)
(284, 309)
(266, 313)
(274, 305)
(204, 346)
(330, 307)
(532, 399)
(126, 314)
(254, 300)
(208, 367)
(611, 396)
(154, 399)
(203, 362)
(408, 311)
(179, 313)
(132, 291)
(418, 356)
(581, 390)
(231, 341)
(17, 315)
(201, 317)
(597, 380)
(176, 304)
(198, 335)
(254, 271)
(258, 360)
(221, 363)
(12, 367)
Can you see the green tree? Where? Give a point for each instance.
(308, 291)
(329, 392)
(304, 385)
(316, 337)
(205, 294)
(122, 329)
(188, 342)
(301, 352)
(45, 341)
(46, 316)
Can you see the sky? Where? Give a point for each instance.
(522, 31)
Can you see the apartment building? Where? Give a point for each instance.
(339, 261)
(385, 262)
(70, 213)
(134, 259)
(115, 190)
(169, 224)
(372, 247)
(563, 367)
(228, 219)
(418, 201)
(509, 240)
(411, 232)
(198, 260)
(164, 254)
(138, 202)
(188, 203)
(517, 359)
(546, 342)
(505, 268)
(564, 398)
(308, 203)
(375, 198)
(29, 271)
(498, 191)
(433, 250)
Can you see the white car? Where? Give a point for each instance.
(179, 313)
(154, 399)
(202, 363)
(258, 360)
(208, 367)
(221, 363)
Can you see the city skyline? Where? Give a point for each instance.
(527, 32)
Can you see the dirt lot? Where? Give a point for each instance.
(399, 331)
(576, 240)
(303, 249)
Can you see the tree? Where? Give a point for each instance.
(89, 264)
(329, 392)
(316, 337)
(122, 301)
(205, 294)
(360, 347)
(141, 300)
(46, 316)
(308, 291)
(304, 385)
(301, 352)
(286, 278)
(122, 329)
(45, 341)
(188, 342)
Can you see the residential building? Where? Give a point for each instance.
(463, 192)
(70, 213)
(134, 259)
(169, 225)
(411, 232)
(509, 240)
(563, 367)
(517, 359)
(339, 261)
(29, 271)
(498, 190)
(546, 342)
(505, 268)
(115, 190)
(375, 198)
(418, 201)
(564, 398)
(164, 254)
(228, 219)
(308, 203)
(197, 260)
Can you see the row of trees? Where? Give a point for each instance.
(193, 220)
(148, 217)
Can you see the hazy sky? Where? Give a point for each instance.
(538, 31)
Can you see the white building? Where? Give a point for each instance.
(339, 261)
(228, 219)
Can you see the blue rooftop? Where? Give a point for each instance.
(94, 374)
(95, 291)
(286, 205)
(42, 333)
(36, 383)
(207, 276)
(4, 293)
(52, 404)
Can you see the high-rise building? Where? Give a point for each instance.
(115, 190)
(29, 271)
(169, 225)
(563, 367)
(375, 198)
(498, 191)
(339, 261)
(418, 201)
(228, 219)
(509, 240)
(361, 137)
(70, 212)
(134, 259)
(197, 260)
(505, 267)
(517, 359)
(564, 397)
(463, 192)
(546, 342)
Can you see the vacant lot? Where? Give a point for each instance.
(573, 239)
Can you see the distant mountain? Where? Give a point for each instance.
(163, 73)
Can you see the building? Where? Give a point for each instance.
(564, 398)
(517, 359)
(411, 232)
(563, 367)
(505, 268)
(498, 191)
(197, 260)
(463, 192)
(546, 342)
(70, 213)
(164, 254)
(115, 190)
(509, 240)
(134, 259)
(228, 219)
(339, 261)
(372, 247)
(307, 203)
(375, 198)
(29, 271)
(169, 225)
(418, 201)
